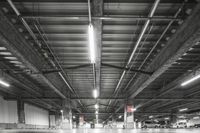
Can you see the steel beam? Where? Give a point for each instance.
(22, 49)
(96, 11)
(151, 14)
(127, 68)
(185, 37)
(105, 17)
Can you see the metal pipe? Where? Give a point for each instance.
(138, 42)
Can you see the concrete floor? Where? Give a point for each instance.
(106, 131)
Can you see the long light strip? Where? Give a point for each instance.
(95, 94)
(96, 106)
(4, 83)
(190, 80)
(96, 112)
(181, 110)
(91, 43)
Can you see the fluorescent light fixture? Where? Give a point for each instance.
(196, 117)
(5, 53)
(181, 116)
(15, 62)
(181, 110)
(4, 83)
(96, 106)
(95, 93)
(10, 58)
(91, 43)
(167, 118)
(190, 80)
(133, 109)
(151, 116)
(96, 112)
(156, 120)
(2, 48)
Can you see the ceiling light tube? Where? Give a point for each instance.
(181, 110)
(96, 112)
(95, 94)
(190, 80)
(133, 109)
(4, 83)
(196, 117)
(91, 43)
(96, 106)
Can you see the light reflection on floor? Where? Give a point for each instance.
(105, 131)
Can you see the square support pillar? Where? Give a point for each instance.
(66, 114)
(129, 116)
(20, 111)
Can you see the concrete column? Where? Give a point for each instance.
(125, 116)
(20, 111)
(129, 116)
(173, 118)
(114, 122)
(81, 121)
(58, 119)
(66, 114)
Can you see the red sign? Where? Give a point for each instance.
(130, 108)
(81, 118)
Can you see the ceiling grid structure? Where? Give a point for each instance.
(144, 50)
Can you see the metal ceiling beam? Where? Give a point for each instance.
(141, 113)
(178, 106)
(127, 68)
(96, 11)
(72, 98)
(17, 45)
(100, 98)
(156, 43)
(155, 5)
(105, 17)
(30, 98)
(27, 54)
(185, 37)
(153, 9)
(108, 98)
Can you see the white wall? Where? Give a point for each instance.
(35, 115)
(8, 111)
